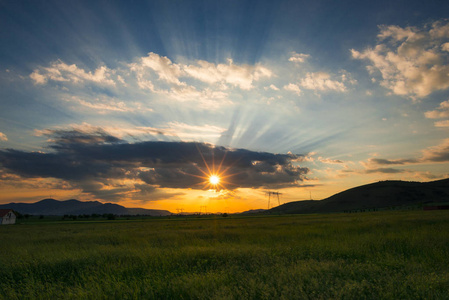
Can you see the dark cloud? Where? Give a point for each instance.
(93, 160)
(434, 154)
(385, 171)
(381, 161)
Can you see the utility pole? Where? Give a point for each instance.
(273, 194)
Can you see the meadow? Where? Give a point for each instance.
(376, 255)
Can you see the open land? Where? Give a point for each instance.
(375, 255)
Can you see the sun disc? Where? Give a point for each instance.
(214, 179)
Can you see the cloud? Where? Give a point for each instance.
(298, 57)
(330, 161)
(61, 72)
(171, 131)
(434, 154)
(162, 65)
(3, 137)
(242, 76)
(104, 104)
(445, 47)
(444, 123)
(271, 87)
(293, 88)
(385, 171)
(439, 153)
(412, 62)
(441, 112)
(110, 168)
(381, 161)
(321, 81)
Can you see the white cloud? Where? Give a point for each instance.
(271, 87)
(441, 112)
(38, 78)
(298, 57)
(163, 66)
(62, 72)
(242, 76)
(293, 88)
(410, 60)
(3, 137)
(321, 81)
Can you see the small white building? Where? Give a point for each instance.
(7, 216)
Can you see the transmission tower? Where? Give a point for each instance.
(203, 207)
(274, 194)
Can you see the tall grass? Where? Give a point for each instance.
(382, 255)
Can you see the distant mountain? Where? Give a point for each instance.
(253, 211)
(378, 195)
(52, 207)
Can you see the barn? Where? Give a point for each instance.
(7, 216)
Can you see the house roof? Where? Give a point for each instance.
(3, 212)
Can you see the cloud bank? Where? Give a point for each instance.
(109, 168)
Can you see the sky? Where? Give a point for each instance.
(139, 102)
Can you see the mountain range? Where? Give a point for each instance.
(380, 195)
(52, 207)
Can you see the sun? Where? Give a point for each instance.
(214, 176)
(214, 179)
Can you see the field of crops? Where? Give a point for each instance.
(379, 255)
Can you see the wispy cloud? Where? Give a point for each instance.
(298, 57)
(433, 154)
(61, 72)
(322, 81)
(3, 137)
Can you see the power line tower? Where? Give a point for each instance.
(274, 194)
(203, 207)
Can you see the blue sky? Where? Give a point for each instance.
(335, 94)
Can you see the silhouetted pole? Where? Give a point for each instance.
(274, 194)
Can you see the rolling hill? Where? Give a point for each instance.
(378, 195)
(52, 207)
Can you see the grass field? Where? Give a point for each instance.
(379, 255)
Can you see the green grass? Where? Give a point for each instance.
(381, 255)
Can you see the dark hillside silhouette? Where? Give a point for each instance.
(380, 195)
